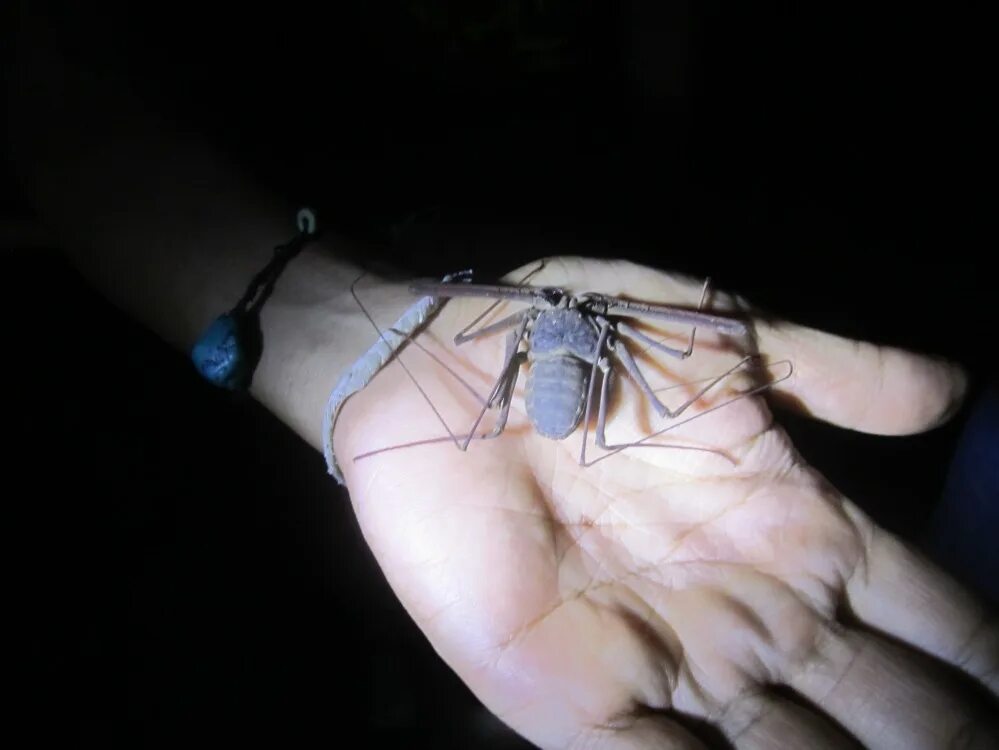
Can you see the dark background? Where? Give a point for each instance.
(190, 571)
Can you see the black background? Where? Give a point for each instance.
(190, 571)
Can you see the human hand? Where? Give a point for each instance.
(620, 605)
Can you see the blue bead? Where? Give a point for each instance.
(219, 355)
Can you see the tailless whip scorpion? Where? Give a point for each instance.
(566, 340)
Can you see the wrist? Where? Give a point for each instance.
(313, 331)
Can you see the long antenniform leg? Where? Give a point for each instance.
(501, 393)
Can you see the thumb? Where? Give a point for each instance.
(862, 386)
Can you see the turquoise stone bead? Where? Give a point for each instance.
(220, 355)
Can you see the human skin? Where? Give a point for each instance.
(592, 606)
(609, 606)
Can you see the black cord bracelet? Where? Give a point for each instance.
(228, 351)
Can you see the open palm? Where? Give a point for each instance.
(622, 603)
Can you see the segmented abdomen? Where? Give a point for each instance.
(556, 394)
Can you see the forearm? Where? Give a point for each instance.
(172, 233)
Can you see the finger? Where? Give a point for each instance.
(901, 593)
(862, 386)
(888, 696)
(638, 732)
(765, 721)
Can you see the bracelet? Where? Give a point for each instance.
(228, 351)
(367, 366)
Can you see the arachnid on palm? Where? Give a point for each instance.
(597, 605)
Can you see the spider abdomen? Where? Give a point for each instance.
(556, 394)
